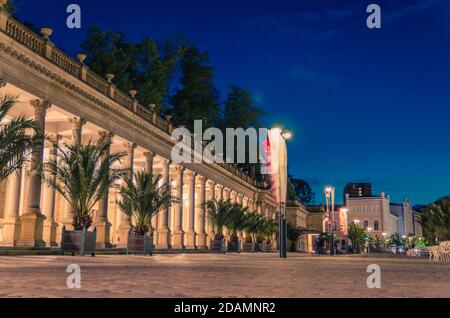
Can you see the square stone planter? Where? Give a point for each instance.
(217, 246)
(234, 247)
(266, 247)
(140, 244)
(248, 247)
(78, 242)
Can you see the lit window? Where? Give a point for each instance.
(376, 226)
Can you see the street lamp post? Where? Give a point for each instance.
(286, 135)
(356, 238)
(329, 198)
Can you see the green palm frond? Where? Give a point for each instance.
(82, 177)
(18, 137)
(219, 214)
(142, 198)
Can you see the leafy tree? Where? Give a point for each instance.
(302, 190)
(146, 66)
(436, 220)
(357, 235)
(142, 198)
(158, 65)
(15, 143)
(11, 7)
(82, 177)
(109, 53)
(197, 98)
(240, 110)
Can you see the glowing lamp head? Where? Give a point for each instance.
(287, 135)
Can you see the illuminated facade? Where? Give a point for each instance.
(74, 105)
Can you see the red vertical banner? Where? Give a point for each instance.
(343, 222)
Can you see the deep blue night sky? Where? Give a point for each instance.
(364, 105)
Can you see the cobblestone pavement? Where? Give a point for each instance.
(205, 275)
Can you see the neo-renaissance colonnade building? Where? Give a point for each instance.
(71, 104)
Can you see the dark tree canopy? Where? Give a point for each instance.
(146, 66)
(197, 97)
(436, 220)
(240, 110)
(301, 190)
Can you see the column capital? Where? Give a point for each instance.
(179, 169)
(202, 179)
(106, 134)
(149, 155)
(40, 105)
(190, 174)
(77, 122)
(221, 187)
(130, 146)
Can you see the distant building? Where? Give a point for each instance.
(358, 190)
(372, 213)
(405, 214)
(381, 216)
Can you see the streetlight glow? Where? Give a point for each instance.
(287, 135)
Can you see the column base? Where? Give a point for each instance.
(190, 240)
(201, 241)
(31, 230)
(49, 235)
(103, 234)
(163, 239)
(209, 238)
(10, 232)
(177, 240)
(124, 230)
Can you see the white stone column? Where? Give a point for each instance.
(149, 162)
(200, 214)
(77, 129)
(226, 194)
(227, 197)
(190, 236)
(125, 224)
(210, 227)
(32, 222)
(178, 233)
(163, 222)
(49, 195)
(219, 194)
(240, 201)
(102, 223)
(10, 222)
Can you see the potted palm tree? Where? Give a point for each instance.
(15, 143)
(141, 199)
(251, 229)
(219, 213)
(82, 175)
(268, 228)
(236, 222)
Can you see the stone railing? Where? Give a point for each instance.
(42, 46)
